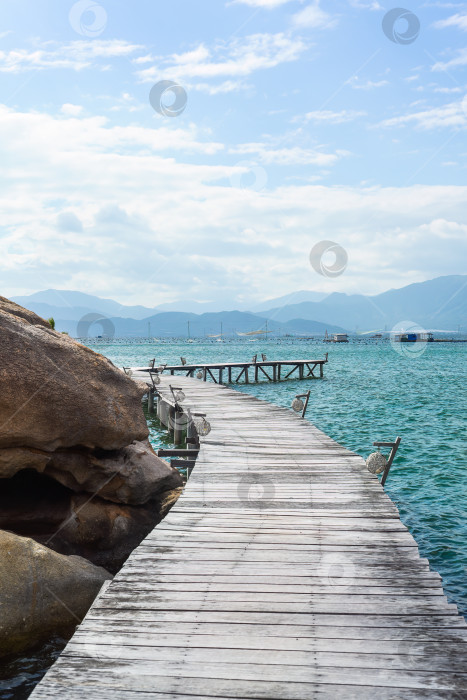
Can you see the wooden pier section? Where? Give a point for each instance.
(283, 572)
(273, 370)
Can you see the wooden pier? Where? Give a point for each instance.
(282, 572)
(272, 370)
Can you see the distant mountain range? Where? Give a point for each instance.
(440, 304)
(77, 304)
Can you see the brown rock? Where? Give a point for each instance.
(41, 592)
(133, 474)
(57, 393)
(106, 533)
(10, 307)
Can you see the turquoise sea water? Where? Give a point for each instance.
(370, 392)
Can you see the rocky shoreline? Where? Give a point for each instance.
(80, 485)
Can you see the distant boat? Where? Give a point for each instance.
(340, 338)
(254, 332)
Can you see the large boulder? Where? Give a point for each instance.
(41, 592)
(133, 474)
(76, 469)
(57, 393)
(105, 532)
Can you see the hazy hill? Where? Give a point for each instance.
(175, 324)
(435, 304)
(73, 305)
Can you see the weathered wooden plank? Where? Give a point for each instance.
(320, 635)
(378, 620)
(174, 689)
(144, 674)
(194, 651)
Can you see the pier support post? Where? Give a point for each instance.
(151, 401)
(170, 418)
(163, 413)
(321, 370)
(178, 430)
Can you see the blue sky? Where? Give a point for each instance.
(303, 122)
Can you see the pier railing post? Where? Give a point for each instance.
(395, 447)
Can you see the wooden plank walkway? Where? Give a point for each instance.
(282, 572)
(259, 369)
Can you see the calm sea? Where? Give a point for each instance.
(370, 392)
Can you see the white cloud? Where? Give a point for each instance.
(120, 190)
(233, 59)
(330, 117)
(71, 110)
(265, 4)
(451, 115)
(295, 155)
(459, 61)
(457, 20)
(371, 5)
(368, 85)
(448, 90)
(76, 55)
(313, 17)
